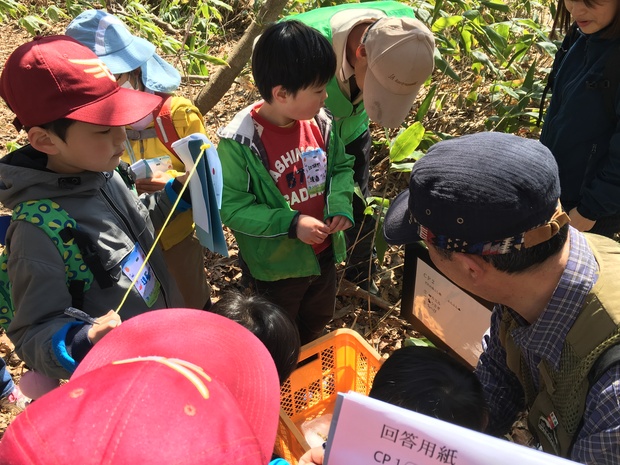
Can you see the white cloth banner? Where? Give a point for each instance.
(205, 188)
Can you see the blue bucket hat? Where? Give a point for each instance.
(121, 51)
(486, 194)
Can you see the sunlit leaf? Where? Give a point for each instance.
(406, 143)
(426, 103)
(496, 5)
(443, 23)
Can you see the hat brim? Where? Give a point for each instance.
(160, 76)
(384, 107)
(397, 229)
(129, 58)
(120, 108)
(248, 370)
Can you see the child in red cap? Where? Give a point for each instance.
(74, 113)
(135, 65)
(167, 387)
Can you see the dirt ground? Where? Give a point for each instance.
(377, 319)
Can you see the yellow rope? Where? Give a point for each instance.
(203, 148)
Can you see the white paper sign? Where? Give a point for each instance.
(449, 312)
(367, 431)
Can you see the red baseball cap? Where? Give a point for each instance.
(174, 386)
(56, 77)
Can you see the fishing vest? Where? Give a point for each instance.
(556, 408)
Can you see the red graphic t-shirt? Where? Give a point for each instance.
(297, 164)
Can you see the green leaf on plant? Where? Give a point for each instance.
(406, 143)
(401, 167)
(426, 103)
(445, 22)
(357, 191)
(496, 5)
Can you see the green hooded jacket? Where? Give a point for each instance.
(259, 215)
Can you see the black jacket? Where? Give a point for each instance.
(581, 128)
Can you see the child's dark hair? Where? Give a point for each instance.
(268, 322)
(562, 20)
(59, 127)
(431, 382)
(292, 55)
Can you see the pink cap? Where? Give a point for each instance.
(168, 386)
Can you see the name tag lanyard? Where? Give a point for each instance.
(174, 206)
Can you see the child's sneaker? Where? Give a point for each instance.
(15, 402)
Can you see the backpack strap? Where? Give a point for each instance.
(89, 255)
(55, 222)
(163, 127)
(603, 363)
(148, 133)
(6, 302)
(166, 132)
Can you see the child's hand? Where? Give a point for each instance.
(579, 222)
(183, 178)
(313, 457)
(338, 223)
(154, 184)
(104, 325)
(310, 230)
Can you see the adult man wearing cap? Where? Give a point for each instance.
(486, 206)
(384, 56)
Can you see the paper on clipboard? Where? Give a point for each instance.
(205, 188)
(369, 431)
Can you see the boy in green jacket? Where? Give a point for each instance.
(288, 184)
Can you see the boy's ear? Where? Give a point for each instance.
(42, 140)
(279, 94)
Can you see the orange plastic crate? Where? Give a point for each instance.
(340, 361)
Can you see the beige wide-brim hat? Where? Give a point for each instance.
(400, 53)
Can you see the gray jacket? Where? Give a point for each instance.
(114, 218)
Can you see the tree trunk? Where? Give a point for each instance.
(223, 78)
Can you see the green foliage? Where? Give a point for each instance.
(405, 145)
(299, 6)
(179, 28)
(12, 146)
(193, 22)
(33, 24)
(11, 9)
(494, 46)
(486, 46)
